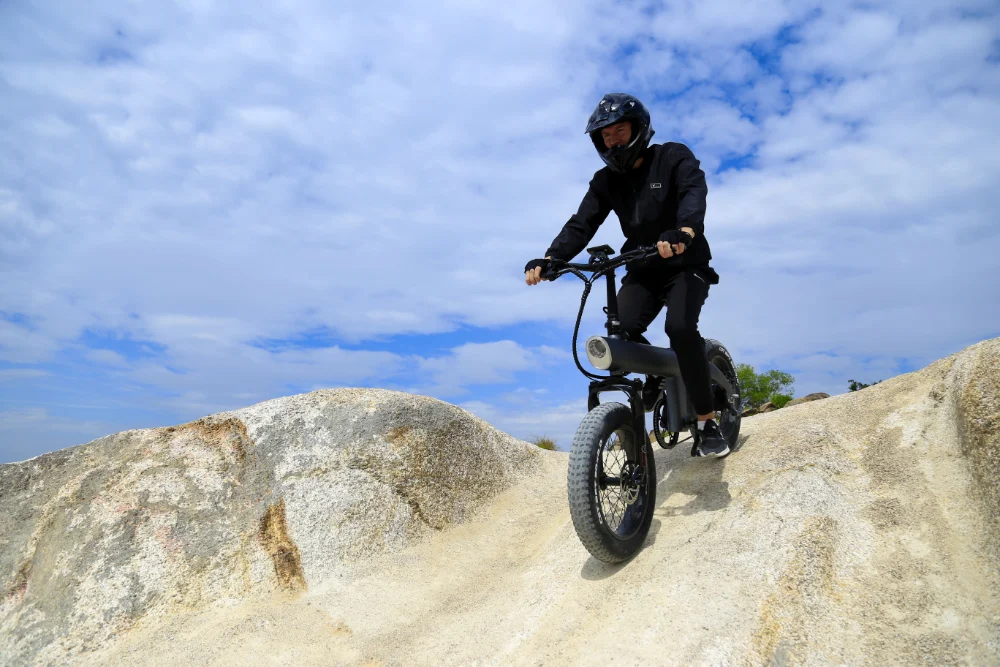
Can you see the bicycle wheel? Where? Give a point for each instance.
(727, 416)
(611, 499)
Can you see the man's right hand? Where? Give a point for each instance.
(673, 242)
(533, 270)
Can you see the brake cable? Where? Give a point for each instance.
(612, 264)
(588, 285)
(576, 332)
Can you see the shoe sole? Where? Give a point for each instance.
(725, 452)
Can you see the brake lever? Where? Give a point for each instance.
(650, 251)
(551, 273)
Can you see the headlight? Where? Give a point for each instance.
(598, 353)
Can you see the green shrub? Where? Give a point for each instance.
(780, 400)
(545, 443)
(760, 388)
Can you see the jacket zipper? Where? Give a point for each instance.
(635, 214)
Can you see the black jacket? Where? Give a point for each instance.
(666, 192)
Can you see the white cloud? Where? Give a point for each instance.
(16, 418)
(483, 363)
(27, 432)
(107, 358)
(21, 345)
(21, 373)
(556, 420)
(208, 377)
(388, 169)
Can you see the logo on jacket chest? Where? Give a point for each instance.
(655, 186)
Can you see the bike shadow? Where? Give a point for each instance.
(684, 485)
(689, 485)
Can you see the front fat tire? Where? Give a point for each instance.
(598, 539)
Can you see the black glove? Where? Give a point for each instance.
(535, 263)
(675, 236)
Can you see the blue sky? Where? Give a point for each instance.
(203, 207)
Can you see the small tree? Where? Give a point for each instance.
(760, 388)
(853, 385)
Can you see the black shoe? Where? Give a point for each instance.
(651, 392)
(711, 442)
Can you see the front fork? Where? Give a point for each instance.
(635, 452)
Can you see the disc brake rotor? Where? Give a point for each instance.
(631, 482)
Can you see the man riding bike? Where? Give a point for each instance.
(658, 193)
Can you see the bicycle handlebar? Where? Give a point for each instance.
(559, 267)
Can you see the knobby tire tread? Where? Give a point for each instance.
(587, 444)
(715, 348)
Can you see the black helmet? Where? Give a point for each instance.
(614, 108)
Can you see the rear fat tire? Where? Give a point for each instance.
(595, 428)
(718, 356)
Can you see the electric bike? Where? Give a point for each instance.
(612, 474)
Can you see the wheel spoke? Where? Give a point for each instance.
(611, 506)
(616, 517)
(611, 498)
(619, 503)
(618, 508)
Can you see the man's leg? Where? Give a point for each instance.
(638, 306)
(686, 294)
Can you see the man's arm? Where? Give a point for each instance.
(692, 193)
(582, 226)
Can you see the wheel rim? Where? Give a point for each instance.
(726, 416)
(620, 488)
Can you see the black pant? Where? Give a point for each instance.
(640, 299)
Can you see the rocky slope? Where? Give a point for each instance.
(354, 527)
(144, 524)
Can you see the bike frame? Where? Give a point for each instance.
(620, 356)
(627, 356)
